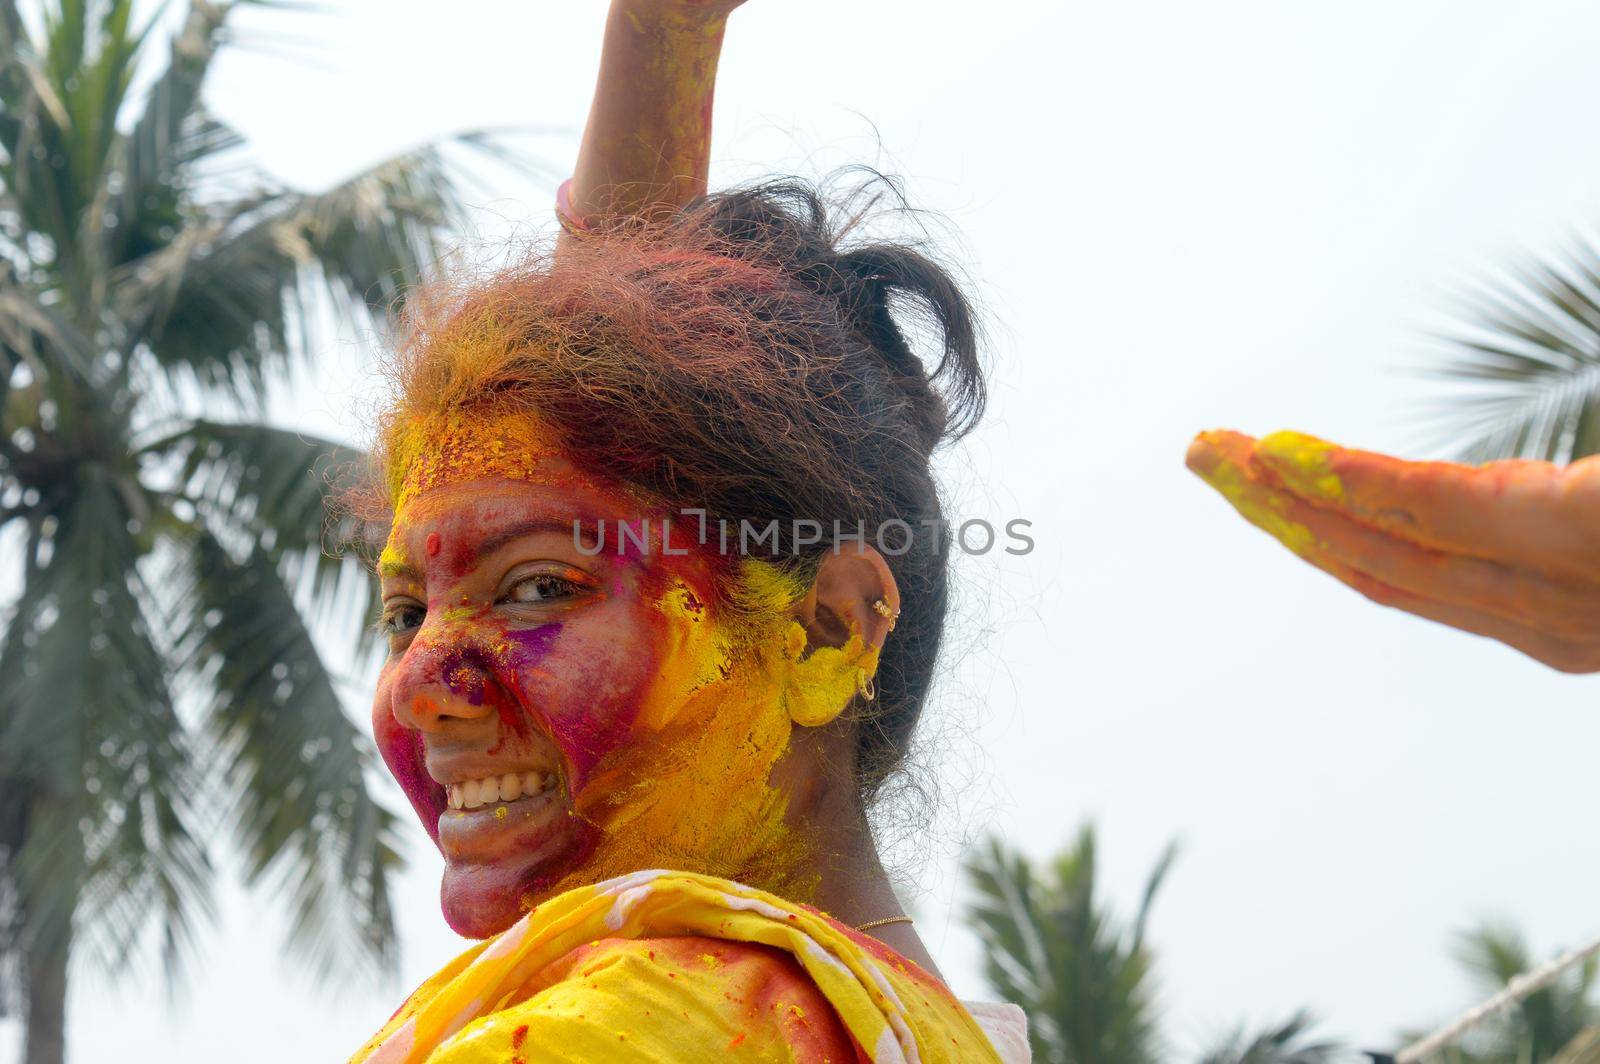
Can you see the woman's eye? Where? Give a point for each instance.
(542, 588)
(402, 618)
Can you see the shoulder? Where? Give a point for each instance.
(684, 998)
(1007, 1027)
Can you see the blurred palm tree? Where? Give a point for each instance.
(1052, 947)
(1526, 363)
(1287, 1043)
(1556, 1024)
(147, 274)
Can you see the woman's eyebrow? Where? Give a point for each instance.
(399, 569)
(524, 528)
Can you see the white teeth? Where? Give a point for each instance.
(470, 794)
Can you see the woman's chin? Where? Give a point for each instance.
(483, 898)
(481, 901)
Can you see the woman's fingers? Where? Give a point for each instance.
(1556, 622)
(1563, 655)
(1222, 459)
(1526, 513)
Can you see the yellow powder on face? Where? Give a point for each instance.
(694, 788)
(822, 683)
(826, 680)
(457, 445)
(697, 654)
(1302, 461)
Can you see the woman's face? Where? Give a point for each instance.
(557, 717)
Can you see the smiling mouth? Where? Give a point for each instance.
(494, 790)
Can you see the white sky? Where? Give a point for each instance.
(1182, 216)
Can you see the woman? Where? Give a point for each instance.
(665, 585)
(643, 615)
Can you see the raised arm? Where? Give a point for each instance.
(647, 145)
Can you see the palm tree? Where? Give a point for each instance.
(1084, 980)
(1526, 364)
(1559, 1023)
(1284, 1044)
(1051, 947)
(160, 685)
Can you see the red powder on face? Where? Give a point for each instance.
(432, 544)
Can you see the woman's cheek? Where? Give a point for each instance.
(581, 684)
(401, 750)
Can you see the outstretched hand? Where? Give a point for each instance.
(1508, 550)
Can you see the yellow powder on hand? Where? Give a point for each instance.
(1302, 461)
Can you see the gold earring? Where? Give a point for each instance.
(881, 608)
(865, 686)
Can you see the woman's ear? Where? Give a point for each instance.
(839, 627)
(853, 591)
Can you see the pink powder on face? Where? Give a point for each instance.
(431, 544)
(401, 749)
(582, 731)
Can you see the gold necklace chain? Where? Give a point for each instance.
(870, 924)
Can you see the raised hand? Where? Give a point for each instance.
(1508, 550)
(646, 148)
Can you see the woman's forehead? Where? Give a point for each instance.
(461, 446)
(489, 510)
(468, 521)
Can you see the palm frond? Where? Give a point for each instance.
(212, 307)
(1287, 1043)
(282, 489)
(1051, 946)
(376, 234)
(77, 78)
(93, 748)
(1525, 366)
(1006, 909)
(172, 136)
(33, 131)
(226, 301)
(303, 814)
(1152, 886)
(1583, 1049)
(40, 336)
(1544, 1021)
(289, 494)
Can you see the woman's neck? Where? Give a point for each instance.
(852, 885)
(857, 890)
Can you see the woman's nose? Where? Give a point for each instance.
(441, 686)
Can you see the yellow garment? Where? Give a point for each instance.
(670, 966)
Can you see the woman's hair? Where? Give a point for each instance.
(746, 358)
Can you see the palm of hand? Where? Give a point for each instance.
(1508, 550)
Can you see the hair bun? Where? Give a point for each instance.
(884, 290)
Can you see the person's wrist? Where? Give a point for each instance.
(679, 17)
